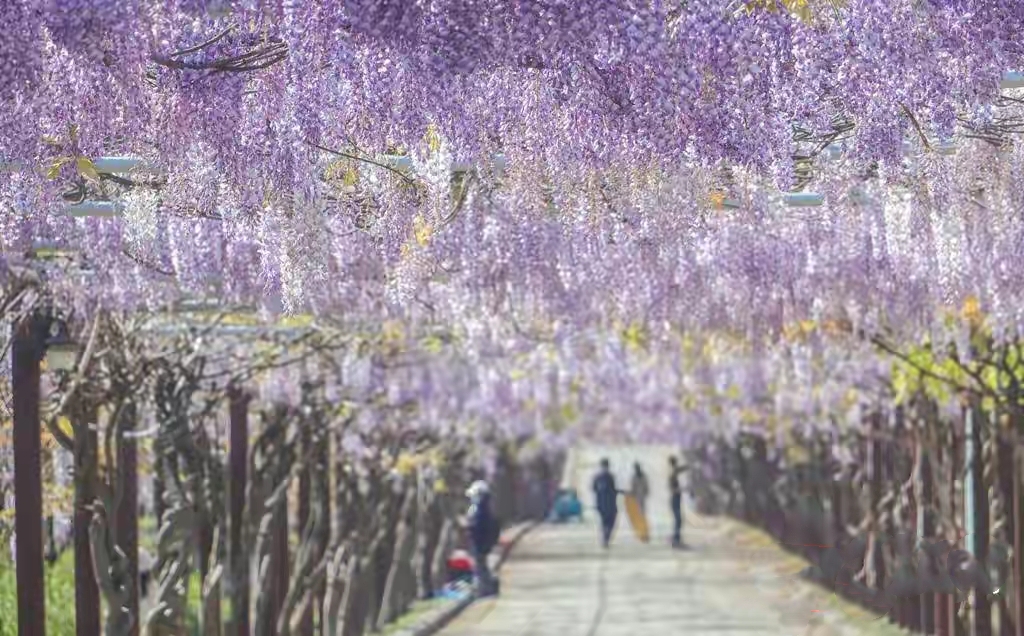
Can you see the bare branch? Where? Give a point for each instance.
(881, 344)
(252, 61)
(346, 155)
(917, 126)
(150, 266)
(199, 47)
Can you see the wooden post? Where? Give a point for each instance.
(26, 354)
(238, 461)
(744, 481)
(1017, 563)
(876, 478)
(942, 624)
(760, 463)
(1007, 489)
(836, 501)
(87, 593)
(323, 496)
(956, 625)
(158, 490)
(925, 530)
(279, 558)
(127, 515)
(306, 625)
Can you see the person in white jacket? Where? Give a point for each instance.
(639, 487)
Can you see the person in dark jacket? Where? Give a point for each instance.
(483, 535)
(607, 495)
(676, 500)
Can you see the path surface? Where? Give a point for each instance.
(730, 582)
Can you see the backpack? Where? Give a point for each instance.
(495, 532)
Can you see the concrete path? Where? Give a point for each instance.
(560, 582)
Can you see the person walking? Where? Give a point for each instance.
(483, 535)
(606, 494)
(640, 487)
(676, 500)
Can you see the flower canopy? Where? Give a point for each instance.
(525, 172)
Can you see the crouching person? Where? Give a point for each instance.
(483, 534)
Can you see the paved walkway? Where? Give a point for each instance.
(731, 580)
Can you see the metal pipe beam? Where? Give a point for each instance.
(1012, 79)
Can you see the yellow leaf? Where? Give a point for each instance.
(635, 337)
(406, 463)
(750, 416)
(87, 169)
(432, 344)
(796, 454)
(303, 320)
(568, 413)
(422, 231)
(238, 320)
(433, 139)
(393, 332)
(54, 170)
(971, 311)
(834, 327)
(64, 424)
(335, 168)
(350, 178)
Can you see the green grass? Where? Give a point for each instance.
(416, 612)
(60, 601)
(148, 533)
(60, 596)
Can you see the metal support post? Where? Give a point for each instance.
(976, 519)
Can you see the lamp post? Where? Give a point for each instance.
(62, 356)
(61, 350)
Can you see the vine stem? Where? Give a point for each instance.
(339, 153)
(917, 126)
